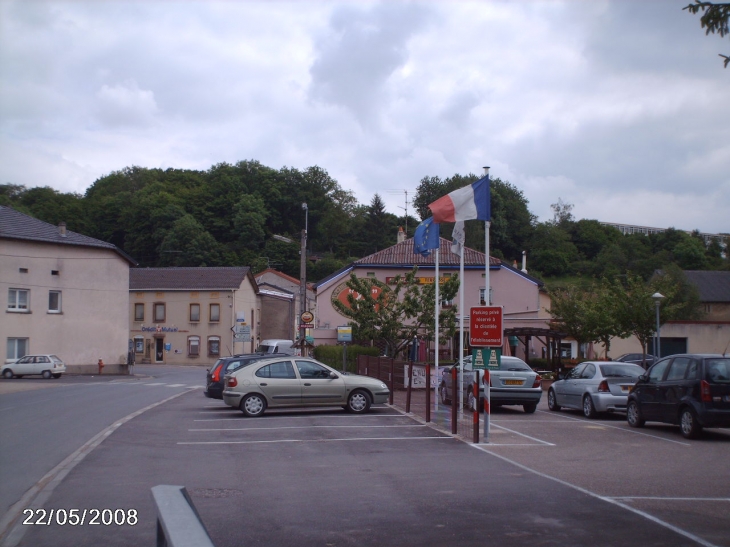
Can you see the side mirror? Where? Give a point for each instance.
(333, 375)
(562, 375)
(643, 378)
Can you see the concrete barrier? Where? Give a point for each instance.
(178, 522)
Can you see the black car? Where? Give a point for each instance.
(690, 390)
(645, 360)
(224, 365)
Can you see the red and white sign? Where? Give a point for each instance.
(485, 326)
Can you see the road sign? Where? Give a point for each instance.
(485, 326)
(344, 334)
(486, 358)
(243, 329)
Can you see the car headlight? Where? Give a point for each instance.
(383, 386)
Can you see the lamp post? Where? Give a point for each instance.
(657, 296)
(303, 276)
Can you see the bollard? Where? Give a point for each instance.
(475, 410)
(101, 365)
(178, 522)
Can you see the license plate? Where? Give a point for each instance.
(513, 382)
(625, 388)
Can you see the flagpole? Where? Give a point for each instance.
(488, 301)
(436, 310)
(461, 331)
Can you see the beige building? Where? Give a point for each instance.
(190, 316)
(63, 293)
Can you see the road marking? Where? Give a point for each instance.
(320, 440)
(626, 430)
(665, 499)
(607, 499)
(306, 427)
(522, 435)
(309, 416)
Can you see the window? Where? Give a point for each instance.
(678, 368)
(17, 348)
(588, 372)
(215, 313)
(309, 370)
(283, 369)
(657, 371)
(18, 299)
(482, 302)
(194, 313)
(54, 301)
(138, 344)
(159, 313)
(139, 312)
(214, 346)
(194, 345)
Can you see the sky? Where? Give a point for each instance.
(618, 107)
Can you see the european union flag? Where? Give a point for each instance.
(427, 237)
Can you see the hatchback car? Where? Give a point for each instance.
(690, 390)
(48, 366)
(299, 382)
(514, 383)
(595, 387)
(215, 375)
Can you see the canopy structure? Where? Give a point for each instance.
(549, 337)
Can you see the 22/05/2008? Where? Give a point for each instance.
(78, 517)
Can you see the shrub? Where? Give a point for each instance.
(332, 355)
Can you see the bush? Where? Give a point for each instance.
(332, 355)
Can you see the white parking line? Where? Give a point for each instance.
(322, 440)
(522, 435)
(660, 498)
(309, 416)
(307, 427)
(614, 501)
(624, 429)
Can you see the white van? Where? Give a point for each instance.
(276, 346)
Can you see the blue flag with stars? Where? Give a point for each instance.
(427, 237)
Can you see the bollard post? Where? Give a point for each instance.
(101, 365)
(428, 393)
(475, 410)
(487, 382)
(410, 386)
(454, 401)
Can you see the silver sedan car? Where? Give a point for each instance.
(299, 382)
(595, 387)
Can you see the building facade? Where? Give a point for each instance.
(64, 293)
(193, 316)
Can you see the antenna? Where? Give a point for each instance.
(404, 208)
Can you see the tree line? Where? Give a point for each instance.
(227, 215)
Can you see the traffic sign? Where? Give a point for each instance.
(486, 358)
(485, 326)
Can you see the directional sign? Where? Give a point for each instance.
(485, 326)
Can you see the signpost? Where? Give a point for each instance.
(486, 333)
(344, 335)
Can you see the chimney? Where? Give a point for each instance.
(524, 261)
(486, 170)
(401, 235)
(62, 229)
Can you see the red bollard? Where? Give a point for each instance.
(475, 410)
(101, 365)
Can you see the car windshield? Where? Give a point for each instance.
(513, 364)
(718, 370)
(621, 371)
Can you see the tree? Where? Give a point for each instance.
(576, 312)
(398, 311)
(188, 244)
(562, 213)
(714, 18)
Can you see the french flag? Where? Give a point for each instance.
(467, 203)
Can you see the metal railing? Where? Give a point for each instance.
(178, 522)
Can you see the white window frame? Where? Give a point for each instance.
(14, 301)
(159, 306)
(194, 346)
(58, 308)
(12, 348)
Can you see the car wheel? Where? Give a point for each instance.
(444, 399)
(47, 374)
(589, 411)
(633, 415)
(253, 405)
(7, 374)
(358, 402)
(530, 409)
(552, 400)
(688, 424)
(57, 376)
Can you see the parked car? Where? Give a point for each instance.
(215, 375)
(595, 387)
(514, 383)
(645, 360)
(48, 366)
(689, 390)
(299, 382)
(275, 346)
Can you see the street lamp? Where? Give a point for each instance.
(657, 296)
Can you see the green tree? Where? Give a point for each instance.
(714, 18)
(249, 221)
(578, 313)
(398, 311)
(188, 244)
(552, 250)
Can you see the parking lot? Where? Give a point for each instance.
(330, 478)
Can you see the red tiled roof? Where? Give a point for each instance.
(402, 254)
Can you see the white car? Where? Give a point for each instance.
(48, 366)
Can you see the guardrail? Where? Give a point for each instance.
(178, 522)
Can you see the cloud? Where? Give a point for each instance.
(126, 104)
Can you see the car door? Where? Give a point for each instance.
(43, 363)
(24, 365)
(317, 384)
(566, 390)
(648, 393)
(671, 389)
(279, 383)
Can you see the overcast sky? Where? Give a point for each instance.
(618, 107)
